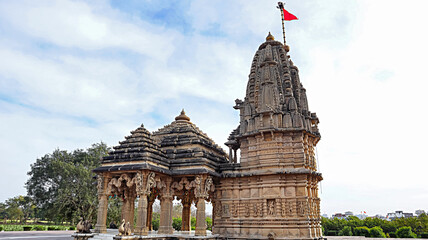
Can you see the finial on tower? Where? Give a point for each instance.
(182, 116)
(270, 37)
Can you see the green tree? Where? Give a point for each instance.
(3, 212)
(19, 208)
(354, 222)
(346, 231)
(13, 211)
(62, 183)
(377, 232)
(405, 232)
(177, 210)
(114, 208)
(362, 231)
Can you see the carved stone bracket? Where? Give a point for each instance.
(202, 189)
(151, 183)
(183, 184)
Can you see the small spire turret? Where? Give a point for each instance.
(182, 116)
(270, 37)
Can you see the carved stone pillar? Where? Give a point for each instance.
(149, 215)
(203, 186)
(185, 215)
(201, 226)
(143, 190)
(126, 208)
(165, 222)
(100, 227)
(141, 228)
(214, 205)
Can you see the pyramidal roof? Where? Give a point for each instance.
(185, 144)
(178, 146)
(139, 146)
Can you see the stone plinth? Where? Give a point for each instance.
(120, 237)
(82, 236)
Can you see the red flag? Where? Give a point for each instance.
(288, 16)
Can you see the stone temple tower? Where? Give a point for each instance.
(272, 193)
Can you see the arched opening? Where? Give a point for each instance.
(114, 212)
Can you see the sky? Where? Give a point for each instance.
(74, 73)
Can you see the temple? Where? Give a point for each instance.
(269, 192)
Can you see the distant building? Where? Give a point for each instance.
(349, 213)
(398, 214)
(361, 216)
(380, 217)
(339, 216)
(419, 212)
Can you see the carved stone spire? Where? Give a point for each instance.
(275, 97)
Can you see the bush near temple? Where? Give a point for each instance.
(333, 227)
(377, 232)
(18, 227)
(346, 231)
(176, 223)
(405, 232)
(362, 231)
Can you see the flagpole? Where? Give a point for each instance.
(281, 9)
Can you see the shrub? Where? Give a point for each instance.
(377, 232)
(331, 233)
(209, 223)
(39, 228)
(405, 232)
(53, 228)
(176, 223)
(13, 228)
(346, 231)
(1, 228)
(392, 235)
(155, 224)
(27, 228)
(424, 235)
(72, 228)
(193, 223)
(362, 231)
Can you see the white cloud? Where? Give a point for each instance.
(79, 25)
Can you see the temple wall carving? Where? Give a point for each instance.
(289, 205)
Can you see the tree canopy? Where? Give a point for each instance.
(376, 227)
(62, 186)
